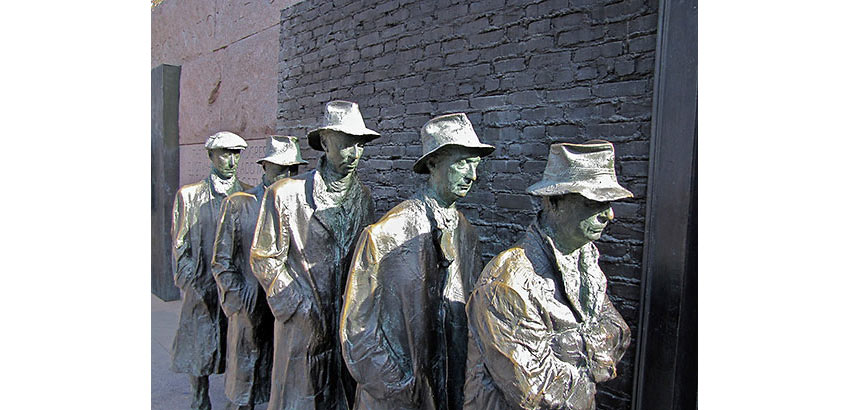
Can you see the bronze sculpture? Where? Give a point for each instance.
(198, 347)
(250, 322)
(403, 326)
(300, 255)
(542, 331)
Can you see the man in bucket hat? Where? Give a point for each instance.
(542, 331)
(199, 343)
(403, 326)
(247, 377)
(300, 254)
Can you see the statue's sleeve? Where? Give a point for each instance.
(183, 263)
(225, 260)
(608, 342)
(516, 348)
(269, 251)
(367, 352)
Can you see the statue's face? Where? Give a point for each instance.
(225, 161)
(453, 173)
(343, 151)
(580, 219)
(275, 172)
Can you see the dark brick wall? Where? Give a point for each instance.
(526, 73)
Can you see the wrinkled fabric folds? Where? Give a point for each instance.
(199, 344)
(250, 322)
(302, 262)
(403, 326)
(537, 338)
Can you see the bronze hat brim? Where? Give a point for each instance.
(274, 159)
(601, 194)
(315, 143)
(481, 150)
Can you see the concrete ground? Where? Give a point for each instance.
(169, 390)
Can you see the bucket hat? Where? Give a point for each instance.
(225, 140)
(282, 150)
(586, 169)
(450, 130)
(342, 116)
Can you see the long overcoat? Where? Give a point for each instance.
(301, 261)
(403, 326)
(199, 345)
(541, 333)
(250, 325)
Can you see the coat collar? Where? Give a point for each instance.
(579, 283)
(315, 187)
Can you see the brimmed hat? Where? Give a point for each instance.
(282, 150)
(450, 130)
(586, 169)
(225, 140)
(342, 116)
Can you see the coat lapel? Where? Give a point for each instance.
(570, 285)
(320, 217)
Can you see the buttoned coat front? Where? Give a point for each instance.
(540, 337)
(199, 345)
(403, 326)
(302, 263)
(250, 326)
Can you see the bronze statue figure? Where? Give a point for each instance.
(199, 343)
(542, 331)
(300, 255)
(250, 326)
(403, 326)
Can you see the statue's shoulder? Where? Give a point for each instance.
(511, 268)
(241, 198)
(406, 219)
(292, 186)
(245, 186)
(195, 188)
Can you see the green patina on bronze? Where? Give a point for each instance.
(542, 329)
(250, 325)
(199, 344)
(403, 325)
(302, 245)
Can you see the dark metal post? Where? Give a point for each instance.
(666, 366)
(165, 161)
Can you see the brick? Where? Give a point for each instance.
(461, 57)
(487, 101)
(586, 73)
(453, 106)
(509, 65)
(486, 39)
(512, 201)
(580, 35)
(587, 53)
(620, 89)
(644, 43)
(561, 131)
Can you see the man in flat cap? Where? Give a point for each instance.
(199, 343)
(300, 255)
(403, 326)
(250, 324)
(542, 331)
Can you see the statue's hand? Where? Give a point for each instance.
(249, 298)
(603, 367)
(567, 347)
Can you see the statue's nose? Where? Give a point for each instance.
(606, 215)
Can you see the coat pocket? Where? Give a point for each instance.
(285, 303)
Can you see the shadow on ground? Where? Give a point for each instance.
(169, 390)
